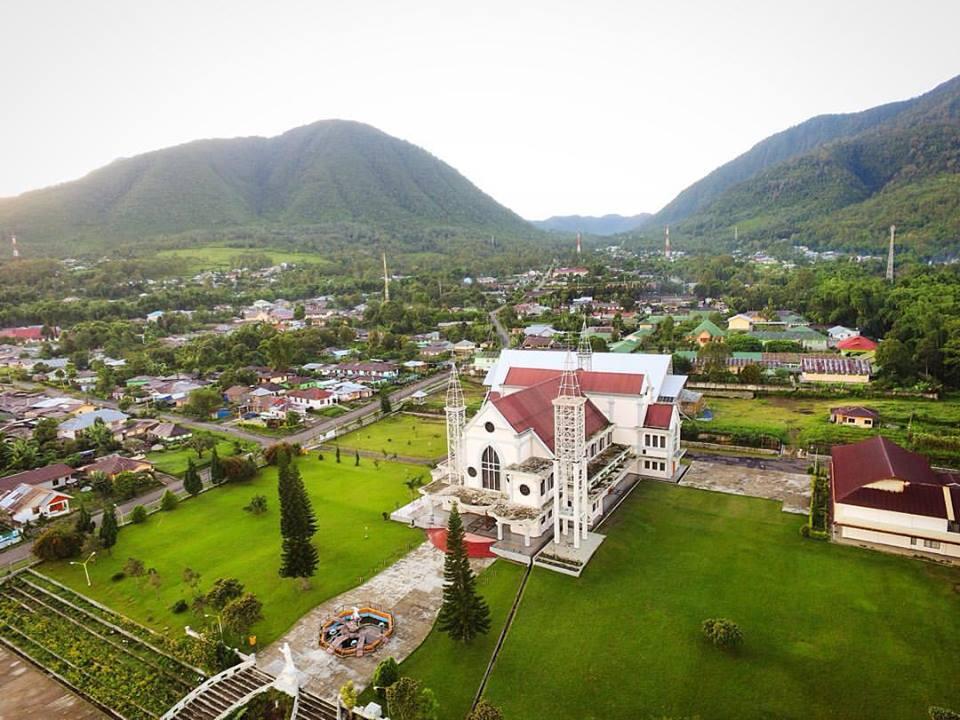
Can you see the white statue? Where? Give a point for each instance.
(356, 614)
(288, 681)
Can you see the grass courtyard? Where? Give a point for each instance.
(173, 461)
(403, 434)
(213, 535)
(830, 631)
(473, 393)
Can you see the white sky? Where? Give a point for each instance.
(550, 106)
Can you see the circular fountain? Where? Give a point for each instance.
(355, 631)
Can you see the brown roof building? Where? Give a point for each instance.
(883, 494)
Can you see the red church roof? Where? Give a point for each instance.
(659, 416)
(590, 382)
(857, 343)
(532, 409)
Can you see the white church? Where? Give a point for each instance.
(557, 440)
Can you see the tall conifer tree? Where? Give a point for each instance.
(464, 614)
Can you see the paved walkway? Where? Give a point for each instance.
(411, 589)
(791, 488)
(26, 692)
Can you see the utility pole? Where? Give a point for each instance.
(386, 280)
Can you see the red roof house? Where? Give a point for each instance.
(855, 345)
(884, 494)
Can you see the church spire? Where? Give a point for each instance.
(584, 350)
(456, 413)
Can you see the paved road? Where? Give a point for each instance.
(495, 314)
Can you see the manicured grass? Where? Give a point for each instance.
(218, 257)
(213, 535)
(174, 460)
(405, 435)
(830, 631)
(473, 394)
(454, 670)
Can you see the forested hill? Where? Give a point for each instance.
(330, 172)
(593, 225)
(839, 182)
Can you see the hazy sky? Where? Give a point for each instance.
(552, 107)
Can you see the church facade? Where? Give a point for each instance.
(554, 439)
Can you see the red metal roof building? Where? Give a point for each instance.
(884, 494)
(857, 344)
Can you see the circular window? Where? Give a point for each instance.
(524, 489)
(472, 471)
(488, 426)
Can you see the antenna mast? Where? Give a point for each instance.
(893, 233)
(13, 243)
(666, 243)
(579, 244)
(386, 279)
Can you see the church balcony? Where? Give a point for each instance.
(607, 469)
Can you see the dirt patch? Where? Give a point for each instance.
(792, 489)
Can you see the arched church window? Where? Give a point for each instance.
(490, 469)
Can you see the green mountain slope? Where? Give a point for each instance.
(329, 172)
(845, 193)
(592, 224)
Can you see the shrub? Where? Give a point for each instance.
(939, 713)
(180, 606)
(349, 695)
(485, 711)
(138, 514)
(722, 632)
(257, 505)
(118, 576)
(168, 501)
(386, 674)
(58, 543)
(223, 591)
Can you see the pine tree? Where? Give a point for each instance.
(109, 528)
(338, 453)
(191, 479)
(464, 613)
(216, 467)
(356, 461)
(299, 557)
(298, 523)
(84, 524)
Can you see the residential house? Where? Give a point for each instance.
(707, 332)
(171, 433)
(857, 346)
(540, 330)
(50, 477)
(347, 391)
(261, 399)
(568, 272)
(839, 332)
(883, 494)
(537, 342)
(530, 309)
(113, 419)
(113, 465)
(834, 370)
(438, 349)
(464, 348)
(855, 415)
(805, 336)
(741, 322)
(237, 394)
(28, 503)
(370, 370)
(302, 401)
(27, 333)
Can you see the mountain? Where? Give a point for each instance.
(591, 224)
(839, 181)
(333, 171)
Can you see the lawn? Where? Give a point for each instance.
(214, 257)
(830, 631)
(473, 394)
(174, 460)
(454, 670)
(214, 535)
(405, 435)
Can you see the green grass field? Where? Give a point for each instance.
(215, 257)
(405, 435)
(830, 631)
(174, 460)
(453, 670)
(801, 422)
(213, 535)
